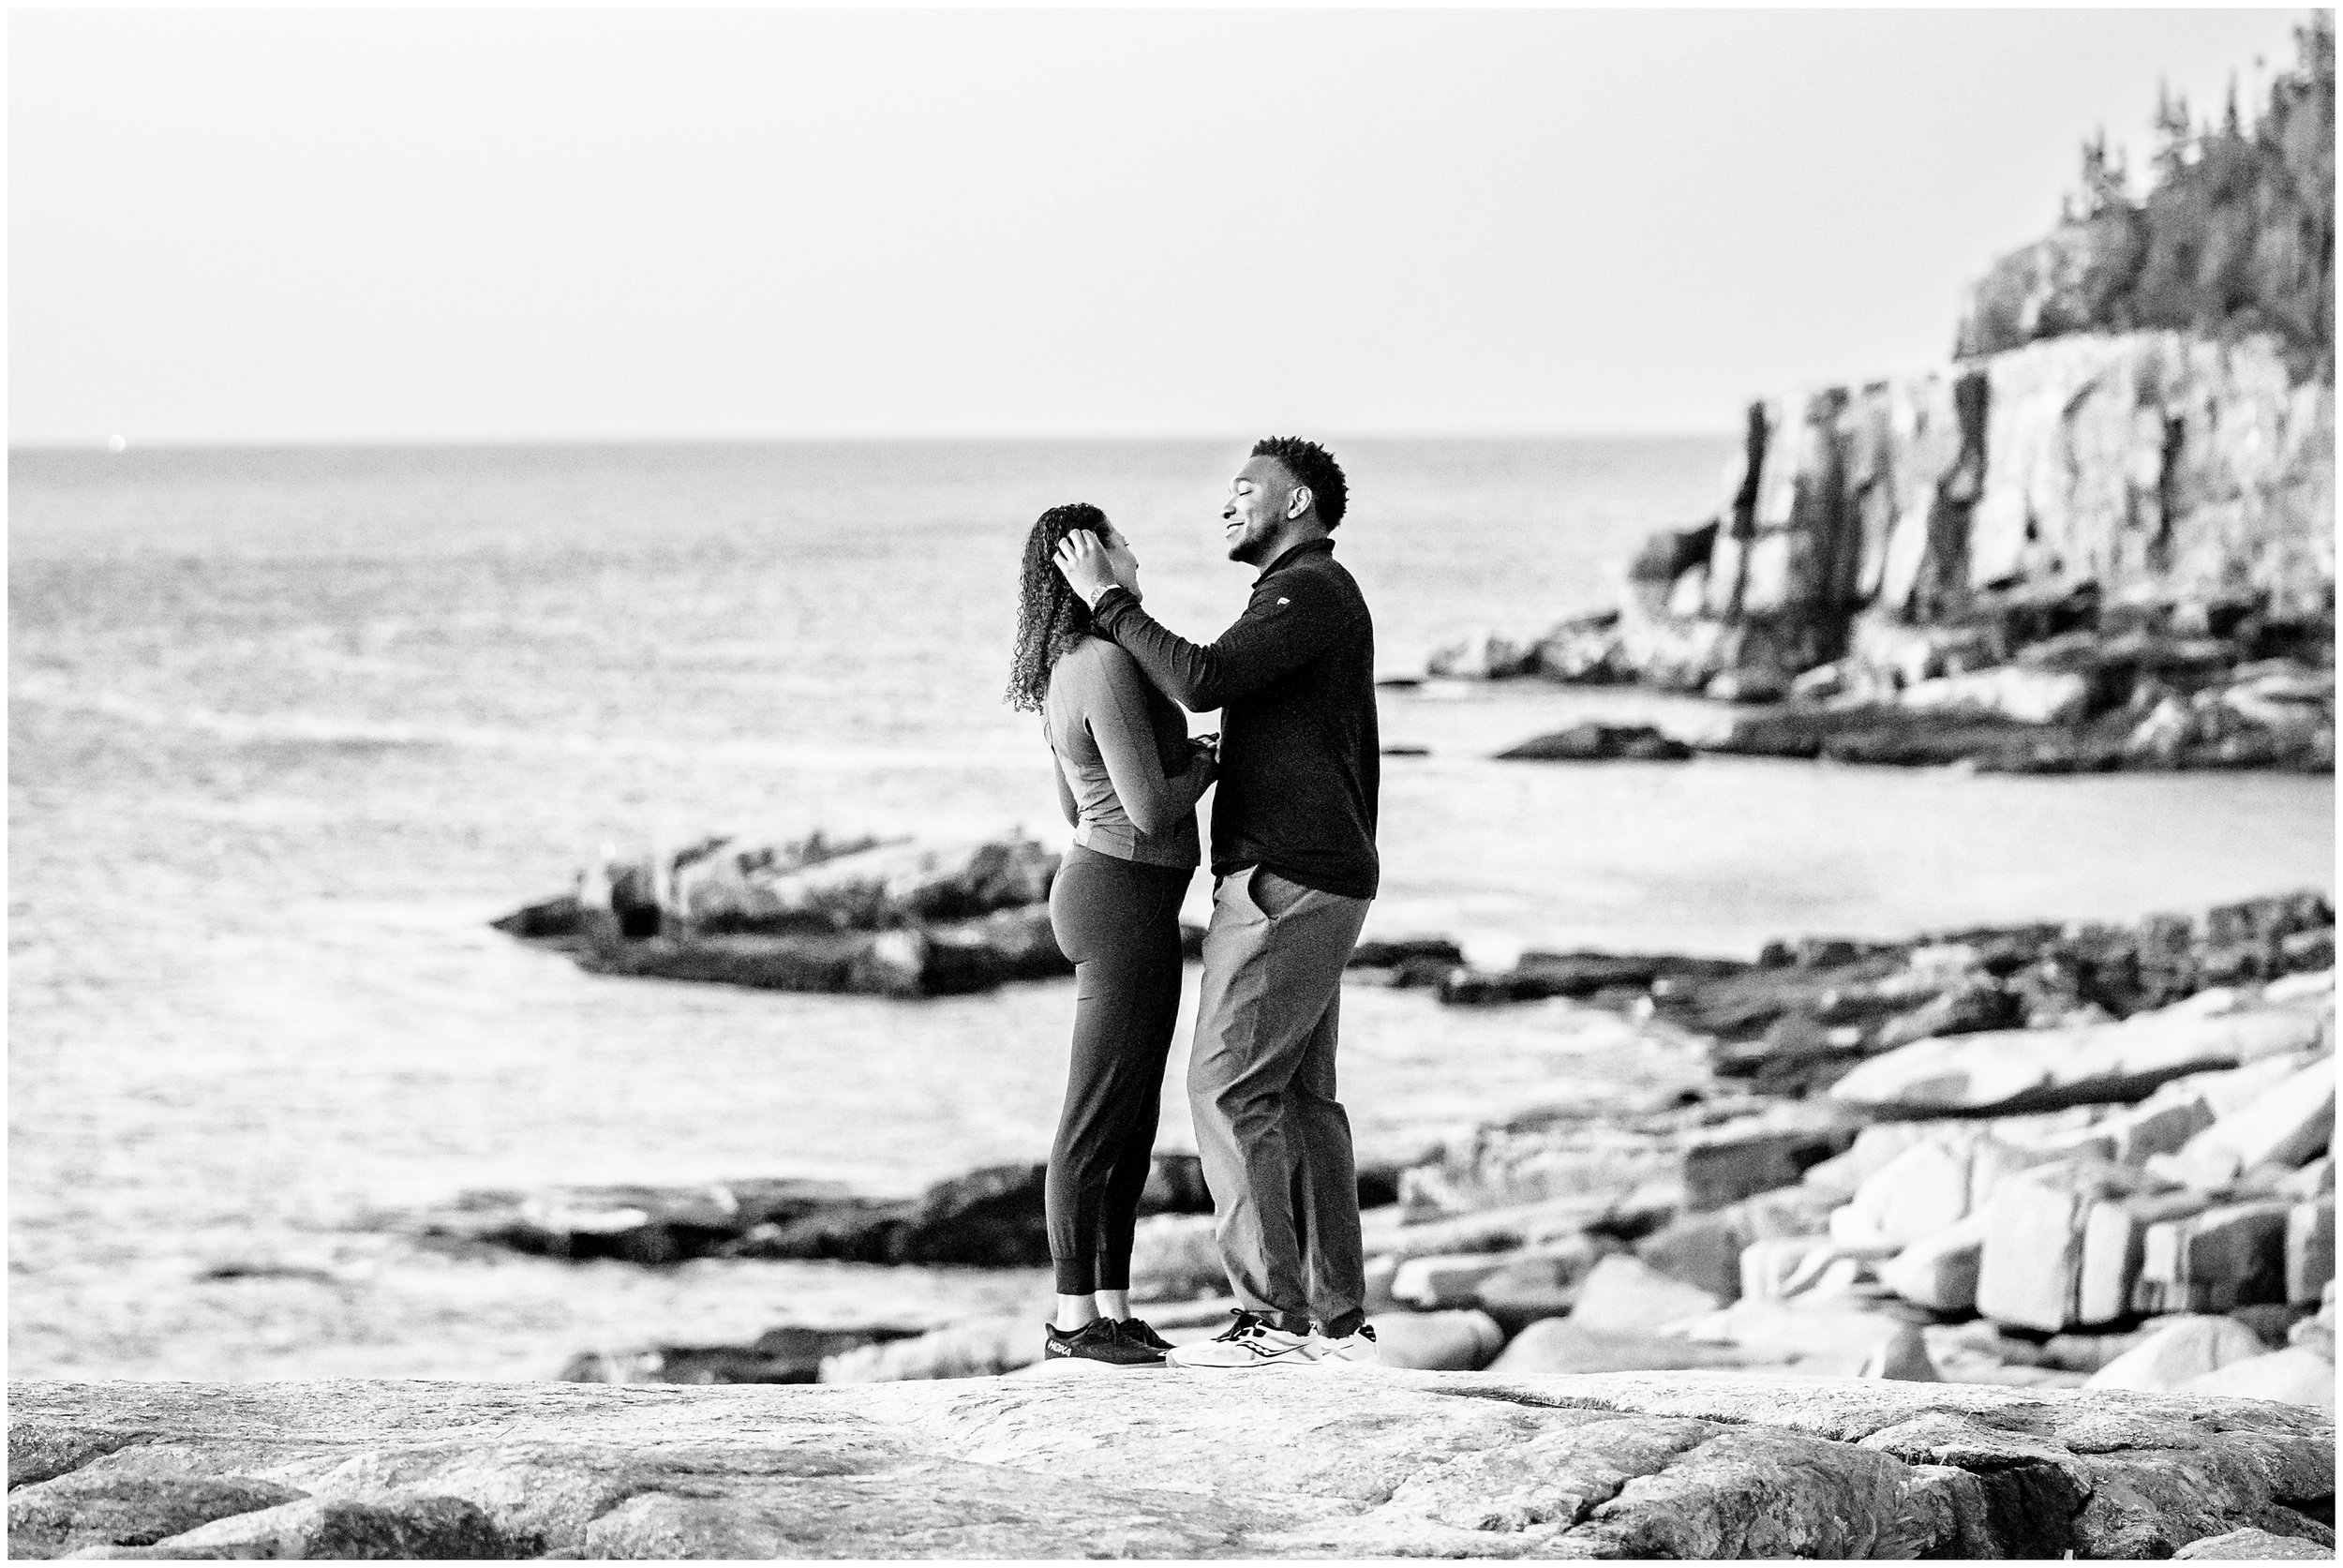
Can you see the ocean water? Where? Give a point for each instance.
(288, 728)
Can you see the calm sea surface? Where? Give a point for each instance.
(288, 728)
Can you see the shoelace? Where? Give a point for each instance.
(1246, 1325)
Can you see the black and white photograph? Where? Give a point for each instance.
(1170, 783)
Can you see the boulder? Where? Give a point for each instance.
(990, 1217)
(1445, 1279)
(975, 1348)
(2035, 1069)
(1486, 656)
(2030, 1272)
(2317, 1332)
(1587, 649)
(1803, 1210)
(1941, 1178)
(1760, 1154)
(1981, 1350)
(733, 887)
(1435, 1341)
(1416, 1464)
(1622, 1293)
(1940, 1270)
(2233, 1255)
(2309, 1249)
(2286, 1125)
(2235, 1089)
(1780, 1268)
(2115, 1246)
(1918, 1192)
(1872, 1148)
(1506, 1229)
(1703, 1250)
(1599, 742)
(1829, 1341)
(2183, 1349)
(1537, 1283)
(2298, 1377)
(1581, 1165)
(2161, 1124)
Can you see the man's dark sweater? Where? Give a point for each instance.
(1301, 760)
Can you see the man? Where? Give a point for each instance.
(1293, 868)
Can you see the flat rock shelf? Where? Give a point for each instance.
(1075, 1461)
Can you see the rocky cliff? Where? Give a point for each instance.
(2144, 482)
(1160, 1463)
(2113, 515)
(2128, 537)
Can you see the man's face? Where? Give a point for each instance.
(1258, 499)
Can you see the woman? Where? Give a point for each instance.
(1128, 779)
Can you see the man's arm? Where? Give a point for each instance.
(1289, 622)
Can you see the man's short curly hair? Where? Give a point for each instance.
(1313, 466)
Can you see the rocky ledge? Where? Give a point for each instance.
(1363, 1462)
(883, 919)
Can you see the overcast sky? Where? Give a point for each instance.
(295, 225)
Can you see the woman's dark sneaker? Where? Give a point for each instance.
(1137, 1329)
(1098, 1340)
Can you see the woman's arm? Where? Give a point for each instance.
(1115, 707)
(1065, 801)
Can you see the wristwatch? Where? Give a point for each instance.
(1099, 597)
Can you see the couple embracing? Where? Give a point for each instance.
(1293, 867)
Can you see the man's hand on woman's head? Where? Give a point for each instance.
(1081, 561)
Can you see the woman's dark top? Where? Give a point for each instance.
(1127, 779)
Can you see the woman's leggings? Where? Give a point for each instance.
(1119, 921)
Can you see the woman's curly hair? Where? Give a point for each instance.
(1051, 616)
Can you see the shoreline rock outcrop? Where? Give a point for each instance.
(1360, 1463)
(2004, 1155)
(885, 919)
(990, 1217)
(2088, 553)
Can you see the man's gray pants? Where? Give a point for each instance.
(1260, 1080)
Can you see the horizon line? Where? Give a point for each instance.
(103, 445)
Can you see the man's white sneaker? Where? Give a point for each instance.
(1249, 1341)
(1354, 1349)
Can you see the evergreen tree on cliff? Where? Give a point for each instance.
(2234, 235)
